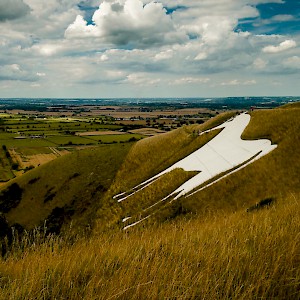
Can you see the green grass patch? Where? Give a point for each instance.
(28, 142)
(7, 136)
(116, 138)
(69, 140)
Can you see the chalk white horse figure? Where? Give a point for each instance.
(224, 152)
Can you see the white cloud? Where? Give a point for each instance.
(129, 22)
(115, 75)
(167, 54)
(286, 45)
(47, 49)
(282, 18)
(249, 82)
(138, 46)
(103, 57)
(15, 72)
(80, 29)
(201, 56)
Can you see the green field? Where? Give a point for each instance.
(115, 138)
(16, 143)
(32, 136)
(70, 140)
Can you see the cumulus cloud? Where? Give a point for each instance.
(171, 46)
(286, 45)
(13, 9)
(126, 23)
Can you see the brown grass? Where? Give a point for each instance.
(219, 252)
(240, 256)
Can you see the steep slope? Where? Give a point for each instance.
(219, 251)
(230, 256)
(274, 176)
(150, 156)
(70, 188)
(271, 177)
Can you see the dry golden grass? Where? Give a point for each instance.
(239, 256)
(220, 252)
(148, 200)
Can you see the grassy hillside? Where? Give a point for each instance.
(150, 156)
(236, 256)
(73, 188)
(217, 251)
(68, 188)
(274, 176)
(147, 158)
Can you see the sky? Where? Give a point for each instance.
(143, 49)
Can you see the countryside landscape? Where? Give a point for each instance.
(74, 225)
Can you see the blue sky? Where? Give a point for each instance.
(268, 21)
(141, 48)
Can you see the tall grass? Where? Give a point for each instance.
(218, 252)
(236, 256)
(146, 201)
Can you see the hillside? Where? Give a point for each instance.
(68, 189)
(81, 188)
(206, 246)
(71, 189)
(274, 176)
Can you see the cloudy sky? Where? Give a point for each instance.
(142, 48)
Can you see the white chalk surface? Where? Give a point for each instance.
(224, 152)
